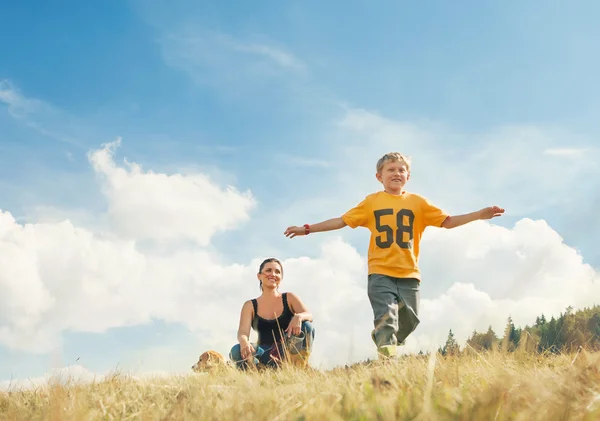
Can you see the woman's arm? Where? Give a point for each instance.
(243, 334)
(299, 308)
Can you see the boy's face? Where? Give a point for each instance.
(393, 176)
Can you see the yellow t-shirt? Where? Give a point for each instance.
(397, 223)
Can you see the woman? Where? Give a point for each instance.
(282, 321)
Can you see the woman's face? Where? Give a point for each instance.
(271, 275)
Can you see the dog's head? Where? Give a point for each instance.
(208, 361)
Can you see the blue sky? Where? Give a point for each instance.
(291, 103)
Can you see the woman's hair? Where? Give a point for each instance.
(262, 265)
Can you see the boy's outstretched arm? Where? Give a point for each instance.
(485, 213)
(329, 225)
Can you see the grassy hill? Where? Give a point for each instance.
(486, 385)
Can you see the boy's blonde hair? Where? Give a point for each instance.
(392, 157)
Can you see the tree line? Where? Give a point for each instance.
(566, 333)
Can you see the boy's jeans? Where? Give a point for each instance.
(395, 303)
(262, 354)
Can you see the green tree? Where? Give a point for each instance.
(451, 347)
(490, 339)
(512, 336)
(571, 330)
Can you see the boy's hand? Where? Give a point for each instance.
(293, 231)
(490, 212)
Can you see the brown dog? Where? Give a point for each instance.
(208, 361)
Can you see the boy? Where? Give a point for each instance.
(397, 220)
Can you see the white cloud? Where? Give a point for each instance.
(566, 151)
(17, 104)
(473, 277)
(217, 58)
(38, 115)
(480, 274)
(301, 161)
(59, 276)
(148, 205)
(74, 374)
(79, 375)
(508, 166)
(277, 55)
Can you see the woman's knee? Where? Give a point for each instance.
(309, 335)
(308, 329)
(235, 354)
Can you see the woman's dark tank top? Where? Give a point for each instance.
(268, 329)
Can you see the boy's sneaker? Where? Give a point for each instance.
(387, 351)
(384, 351)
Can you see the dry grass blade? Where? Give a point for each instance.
(495, 386)
(429, 387)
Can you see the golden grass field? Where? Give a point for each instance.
(492, 386)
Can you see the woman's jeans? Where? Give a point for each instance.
(262, 354)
